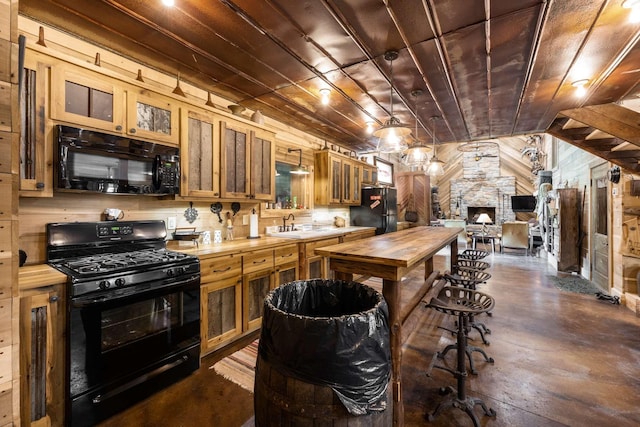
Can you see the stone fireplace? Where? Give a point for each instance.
(473, 212)
(482, 190)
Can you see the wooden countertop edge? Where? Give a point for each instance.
(39, 275)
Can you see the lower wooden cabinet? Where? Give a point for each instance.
(42, 356)
(286, 273)
(221, 312)
(313, 266)
(256, 286)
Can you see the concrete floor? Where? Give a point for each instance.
(560, 359)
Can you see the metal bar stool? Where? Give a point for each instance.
(473, 254)
(470, 278)
(470, 264)
(461, 302)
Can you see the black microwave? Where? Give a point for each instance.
(87, 160)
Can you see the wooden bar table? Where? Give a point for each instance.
(390, 257)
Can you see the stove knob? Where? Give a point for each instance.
(170, 272)
(104, 284)
(180, 270)
(120, 282)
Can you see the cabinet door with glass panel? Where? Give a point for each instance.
(85, 98)
(152, 116)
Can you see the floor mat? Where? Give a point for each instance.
(240, 366)
(575, 284)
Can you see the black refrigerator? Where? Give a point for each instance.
(379, 208)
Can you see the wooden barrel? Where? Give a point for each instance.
(282, 400)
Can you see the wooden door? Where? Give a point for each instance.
(221, 312)
(42, 357)
(262, 168)
(599, 230)
(200, 156)
(235, 161)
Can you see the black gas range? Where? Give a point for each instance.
(133, 313)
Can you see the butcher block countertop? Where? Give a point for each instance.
(400, 249)
(39, 275)
(239, 245)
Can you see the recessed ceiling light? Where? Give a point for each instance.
(324, 95)
(168, 3)
(580, 87)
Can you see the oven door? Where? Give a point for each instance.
(124, 347)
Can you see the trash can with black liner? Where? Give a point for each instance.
(323, 356)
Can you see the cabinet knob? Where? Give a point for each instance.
(132, 130)
(54, 298)
(119, 128)
(40, 185)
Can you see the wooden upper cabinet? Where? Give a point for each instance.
(200, 150)
(338, 179)
(235, 149)
(152, 116)
(36, 150)
(263, 186)
(248, 162)
(87, 99)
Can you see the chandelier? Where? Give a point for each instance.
(391, 134)
(436, 166)
(417, 154)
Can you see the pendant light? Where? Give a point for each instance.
(417, 154)
(299, 170)
(436, 166)
(392, 132)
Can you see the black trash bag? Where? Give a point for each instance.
(331, 333)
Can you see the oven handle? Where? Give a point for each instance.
(102, 397)
(139, 291)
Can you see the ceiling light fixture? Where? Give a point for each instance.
(168, 3)
(436, 166)
(417, 154)
(370, 127)
(392, 132)
(580, 87)
(634, 5)
(299, 170)
(324, 95)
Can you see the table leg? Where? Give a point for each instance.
(391, 293)
(454, 253)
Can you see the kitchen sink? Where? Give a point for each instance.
(314, 233)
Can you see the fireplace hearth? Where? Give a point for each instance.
(473, 212)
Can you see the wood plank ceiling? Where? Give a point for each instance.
(488, 69)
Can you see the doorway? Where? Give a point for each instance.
(599, 232)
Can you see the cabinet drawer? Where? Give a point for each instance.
(310, 248)
(257, 261)
(217, 268)
(286, 254)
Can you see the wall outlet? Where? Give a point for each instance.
(171, 223)
(245, 219)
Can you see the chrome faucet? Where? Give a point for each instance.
(284, 221)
